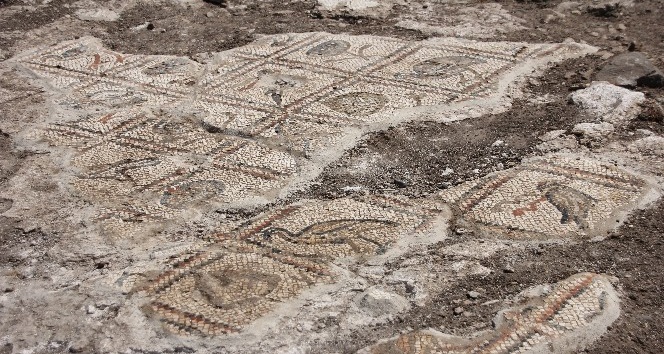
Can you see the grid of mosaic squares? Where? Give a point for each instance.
(158, 135)
(251, 117)
(572, 305)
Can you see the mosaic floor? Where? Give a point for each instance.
(542, 324)
(154, 137)
(157, 134)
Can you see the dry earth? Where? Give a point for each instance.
(331, 176)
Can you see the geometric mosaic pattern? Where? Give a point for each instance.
(556, 197)
(246, 272)
(550, 323)
(246, 123)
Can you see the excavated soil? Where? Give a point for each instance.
(421, 157)
(212, 28)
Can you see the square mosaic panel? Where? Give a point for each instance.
(126, 154)
(345, 53)
(458, 70)
(551, 198)
(93, 75)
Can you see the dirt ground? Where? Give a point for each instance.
(413, 159)
(212, 28)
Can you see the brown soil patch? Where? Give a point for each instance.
(213, 28)
(413, 157)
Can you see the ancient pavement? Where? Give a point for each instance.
(149, 150)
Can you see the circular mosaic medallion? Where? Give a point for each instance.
(329, 48)
(444, 65)
(357, 104)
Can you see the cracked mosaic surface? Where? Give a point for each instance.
(244, 273)
(153, 136)
(249, 120)
(534, 325)
(555, 197)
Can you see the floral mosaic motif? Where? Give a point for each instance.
(257, 112)
(243, 274)
(555, 197)
(551, 322)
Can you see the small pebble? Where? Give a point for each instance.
(90, 309)
(400, 183)
(460, 231)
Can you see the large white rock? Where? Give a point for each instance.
(593, 131)
(609, 102)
